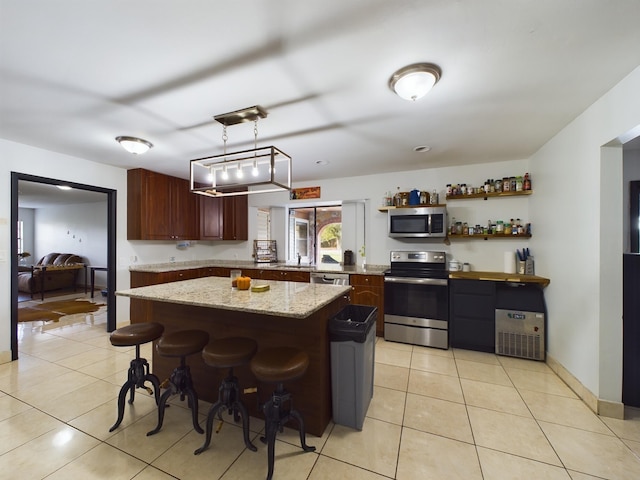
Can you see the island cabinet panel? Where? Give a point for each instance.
(369, 290)
(160, 207)
(224, 218)
(311, 393)
(472, 305)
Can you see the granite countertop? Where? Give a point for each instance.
(284, 299)
(239, 264)
(327, 268)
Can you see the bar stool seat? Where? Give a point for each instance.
(278, 365)
(180, 344)
(228, 353)
(128, 336)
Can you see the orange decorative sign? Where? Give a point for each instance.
(304, 193)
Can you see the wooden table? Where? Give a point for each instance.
(92, 274)
(45, 268)
(289, 314)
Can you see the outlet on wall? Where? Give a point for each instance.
(172, 259)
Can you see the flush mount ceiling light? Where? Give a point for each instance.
(134, 145)
(259, 170)
(414, 81)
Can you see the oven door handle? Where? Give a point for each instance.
(418, 281)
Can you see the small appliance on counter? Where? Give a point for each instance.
(348, 258)
(264, 251)
(455, 265)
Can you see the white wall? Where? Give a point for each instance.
(78, 229)
(577, 214)
(482, 255)
(34, 161)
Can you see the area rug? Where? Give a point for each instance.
(52, 311)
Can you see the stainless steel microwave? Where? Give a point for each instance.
(419, 222)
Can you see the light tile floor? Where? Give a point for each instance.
(435, 414)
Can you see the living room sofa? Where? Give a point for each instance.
(53, 272)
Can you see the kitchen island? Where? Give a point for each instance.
(288, 314)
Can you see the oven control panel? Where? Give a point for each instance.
(418, 256)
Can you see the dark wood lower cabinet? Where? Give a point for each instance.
(369, 290)
(311, 394)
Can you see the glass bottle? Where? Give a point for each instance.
(506, 184)
(518, 184)
(527, 182)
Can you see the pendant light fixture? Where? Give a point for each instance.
(414, 81)
(134, 145)
(227, 174)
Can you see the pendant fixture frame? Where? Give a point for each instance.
(256, 170)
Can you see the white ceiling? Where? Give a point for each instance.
(76, 74)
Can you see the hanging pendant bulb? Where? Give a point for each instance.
(254, 170)
(225, 175)
(239, 172)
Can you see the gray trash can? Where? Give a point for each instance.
(352, 335)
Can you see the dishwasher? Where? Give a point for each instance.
(330, 278)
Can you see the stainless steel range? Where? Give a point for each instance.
(416, 299)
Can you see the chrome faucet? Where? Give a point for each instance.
(299, 258)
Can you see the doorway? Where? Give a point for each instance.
(111, 248)
(634, 216)
(631, 276)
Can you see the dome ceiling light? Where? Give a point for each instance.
(414, 81)
(134, 145)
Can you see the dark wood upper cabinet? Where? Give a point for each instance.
(160, 207)
(224, 218)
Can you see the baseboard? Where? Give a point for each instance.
(5, 357)
(605, 408)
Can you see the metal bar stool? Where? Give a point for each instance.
(279, 365)
(228, 353)
(138, 373)
(180, 344)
